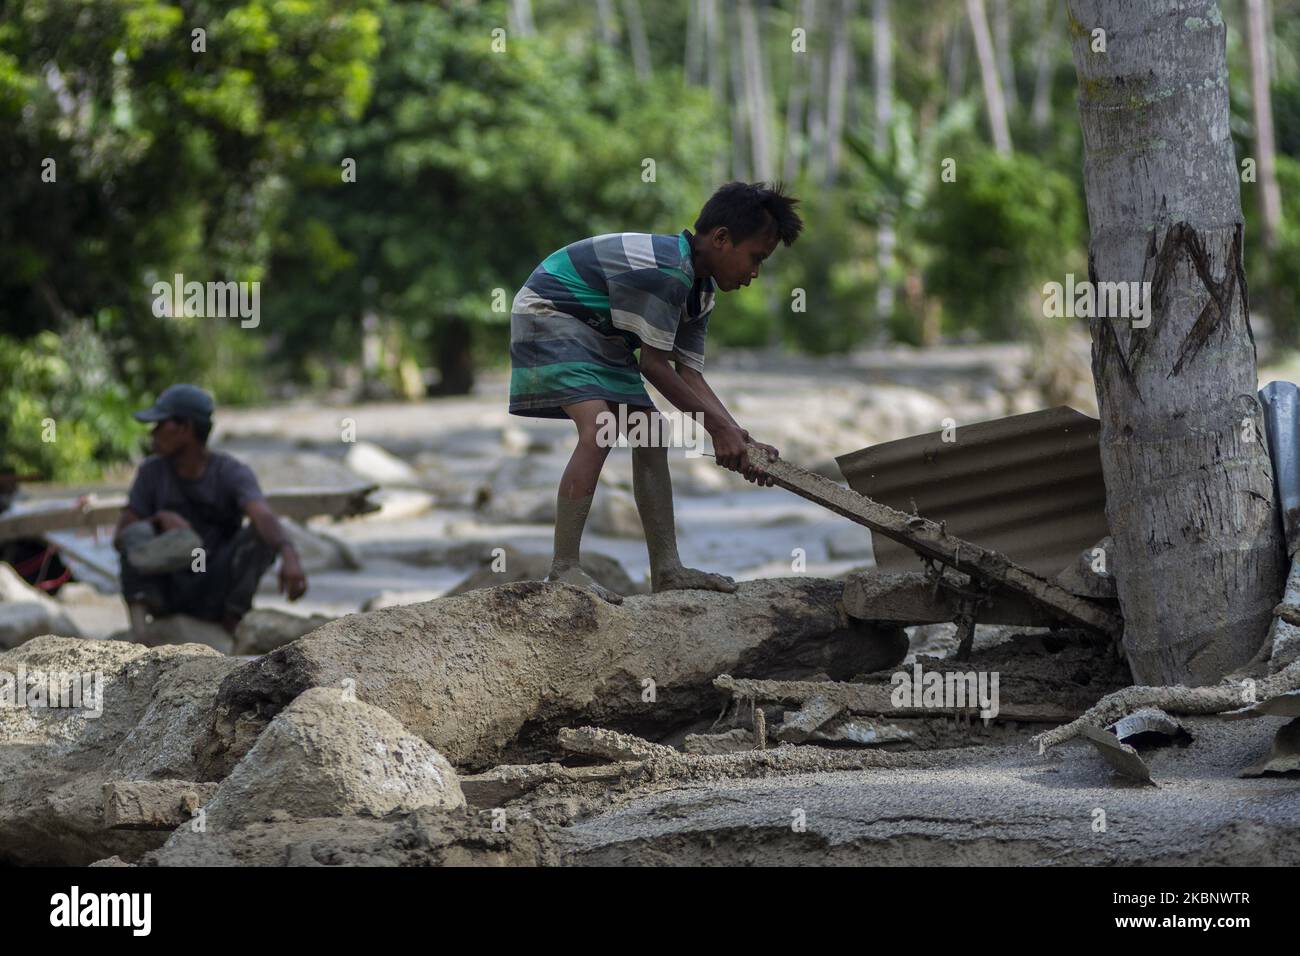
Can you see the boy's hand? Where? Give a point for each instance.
(729, 447)
(756, 475)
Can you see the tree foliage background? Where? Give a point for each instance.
(487, 134)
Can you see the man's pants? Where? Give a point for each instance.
(223, 590)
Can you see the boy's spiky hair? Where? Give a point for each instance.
(749, 208)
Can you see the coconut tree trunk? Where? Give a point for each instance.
(740, 131)
(1041, 111)
(796, 103)
(1002, 48)
(521, 18)
(1270, 197)
(838, 87)
(957, 61)
(994, 104)
(756, 95)
(713, 69)
(1189, 486)
(637, 38)
(605, 16)
(883, 81)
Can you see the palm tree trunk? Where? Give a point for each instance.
(636, 36)
(882, 63)
(993, 101)
(1270, 196)
(756, 95)
(838, 90)
(1189, 486)
(1041, 110)
(796, 106)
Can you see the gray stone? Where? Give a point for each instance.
(328, 754)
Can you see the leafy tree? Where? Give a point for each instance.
(472, 164)
(166, 149)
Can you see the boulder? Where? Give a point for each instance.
(497, 671)
(328, 754)
(265, 629)
(54, 761)
(26, 611)
(319, 551)
(613, 513)
(372, 463)
(175, 629)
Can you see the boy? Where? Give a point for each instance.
(574, 329)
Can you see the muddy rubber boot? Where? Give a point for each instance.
(163, 553)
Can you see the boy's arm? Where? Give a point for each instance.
(729, 439)
(698, 385)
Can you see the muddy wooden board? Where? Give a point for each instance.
(931, 540)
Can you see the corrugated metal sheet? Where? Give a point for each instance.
(1029, 486)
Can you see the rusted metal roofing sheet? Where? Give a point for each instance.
(1029, 486)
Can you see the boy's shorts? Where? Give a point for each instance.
(557, 360)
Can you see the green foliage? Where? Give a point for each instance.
(471, 166)
(1002, 229)
(63, 415)
(1275, 273)
(167, 158)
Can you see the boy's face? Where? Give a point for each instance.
(733, 266)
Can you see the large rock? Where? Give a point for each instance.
(26, 612)
(375, 464)
(54, 761)
(328, 754)
(497, 671)
(264, 629)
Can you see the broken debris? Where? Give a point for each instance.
(1121, 757)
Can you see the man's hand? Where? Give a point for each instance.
(169, 521)
(293, 582)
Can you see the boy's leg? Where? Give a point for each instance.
(653, 487)
(577, 489)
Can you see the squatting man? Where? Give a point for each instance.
(184, 545)
(576, 328)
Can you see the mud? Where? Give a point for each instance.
(492, 675)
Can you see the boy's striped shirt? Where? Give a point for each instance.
(576, 322)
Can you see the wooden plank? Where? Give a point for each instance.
(928, 539)
(296, 503)
(910, 597)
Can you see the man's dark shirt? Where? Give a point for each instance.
(213, 504)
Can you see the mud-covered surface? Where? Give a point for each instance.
(999, 805)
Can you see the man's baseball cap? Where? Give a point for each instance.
(179, 401)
